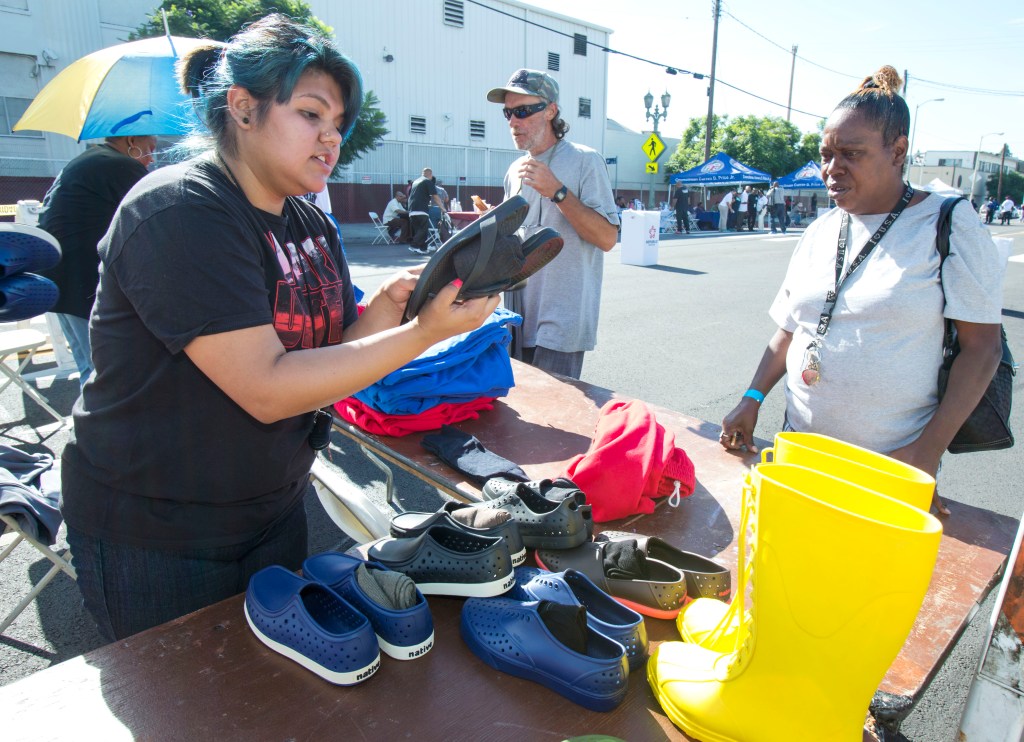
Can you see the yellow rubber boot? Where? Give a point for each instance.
(705, 622)
(836, 574)
(844, 460)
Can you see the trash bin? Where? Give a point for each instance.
(640, 237)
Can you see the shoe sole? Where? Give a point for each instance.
(331, 676)
(503, 665)
(26, 249)
(405, 652)
(469, 589)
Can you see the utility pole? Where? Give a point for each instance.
(711, 85)
(1002, 164)
(792, 72)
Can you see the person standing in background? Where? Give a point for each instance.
(681, 204)
(725, 210)
(777, 206)
(568, 189)
(422, 194)
(77, 210)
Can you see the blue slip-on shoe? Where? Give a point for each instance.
(26, 295)
(26, 249)
(443, 561)
(402, 633)
(312, 625)
(510, 636)
(604, 614)
(459, 515)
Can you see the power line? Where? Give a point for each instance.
(669, 68)
(945, 85)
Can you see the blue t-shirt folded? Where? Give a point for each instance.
(460, 369)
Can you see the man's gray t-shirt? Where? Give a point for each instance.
(561, 302)
(880, 358)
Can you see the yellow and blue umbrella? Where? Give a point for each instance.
(124, 90)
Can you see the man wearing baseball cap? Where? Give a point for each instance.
(568, 189)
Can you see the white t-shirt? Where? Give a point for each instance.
(1007, 205)
(744, 198)
(392, 210)
(881, 356)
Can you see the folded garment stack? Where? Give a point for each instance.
(452, 381)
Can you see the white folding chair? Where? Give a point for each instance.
(382, 230)
(434, 239)
(23, 341)
(350, 509)
(61, 563)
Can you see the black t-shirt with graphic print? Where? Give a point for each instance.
(161, 457)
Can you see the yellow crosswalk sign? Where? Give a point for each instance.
(652, 167)
(653, 147)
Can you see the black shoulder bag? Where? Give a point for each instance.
(988, 427)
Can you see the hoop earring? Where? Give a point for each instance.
(138, 156)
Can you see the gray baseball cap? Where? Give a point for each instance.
(527, 82)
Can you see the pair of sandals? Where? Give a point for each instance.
(487, 256)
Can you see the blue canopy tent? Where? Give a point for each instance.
(806, 176)
(720, 170)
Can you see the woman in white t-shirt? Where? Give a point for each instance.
(871, 378)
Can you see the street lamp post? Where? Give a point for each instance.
(913, 130)
(977, 155)
(657, 115)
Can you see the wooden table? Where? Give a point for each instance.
(205, 676)
(461, 219)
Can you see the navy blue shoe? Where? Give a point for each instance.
(26, 295)
(403, 634)
(311, 624)
(25, 249)
(511, 636)
(604, 614)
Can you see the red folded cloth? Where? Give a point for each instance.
(380, 423)
(631, 461)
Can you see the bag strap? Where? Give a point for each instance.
(943, 229)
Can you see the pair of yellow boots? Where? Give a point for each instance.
(836, 549)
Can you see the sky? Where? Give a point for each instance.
(944, 45)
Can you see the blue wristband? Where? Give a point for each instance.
(754, 395)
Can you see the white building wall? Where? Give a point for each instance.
(439, 72)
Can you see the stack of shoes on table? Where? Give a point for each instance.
(552, 514)
(23, 250)
(337, 619)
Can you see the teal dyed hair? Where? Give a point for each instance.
(267, 58)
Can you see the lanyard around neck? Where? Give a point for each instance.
(844, 234)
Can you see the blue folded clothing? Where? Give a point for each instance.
(32, 504)
(460, 369)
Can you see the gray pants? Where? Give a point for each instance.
(555, 361)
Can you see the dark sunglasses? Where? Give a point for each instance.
(522, 112)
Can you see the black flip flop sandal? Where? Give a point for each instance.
(487, 256)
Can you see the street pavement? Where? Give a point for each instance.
(686, 334)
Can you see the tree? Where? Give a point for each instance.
(221, 19)
(771, 144)
(1013, 185)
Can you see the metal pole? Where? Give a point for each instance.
(1002, 163)
(792, 72)
(650, 193)
(711, 85)
(977, 156)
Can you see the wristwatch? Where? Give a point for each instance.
(559, 196)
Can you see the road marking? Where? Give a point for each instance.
(1016, 258)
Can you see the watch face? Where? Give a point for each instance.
(560, 195)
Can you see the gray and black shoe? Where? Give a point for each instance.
(543, 524)
(472, 519)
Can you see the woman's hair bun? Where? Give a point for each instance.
(886, 80)
(197, 65)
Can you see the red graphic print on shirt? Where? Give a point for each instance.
(308, 307)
